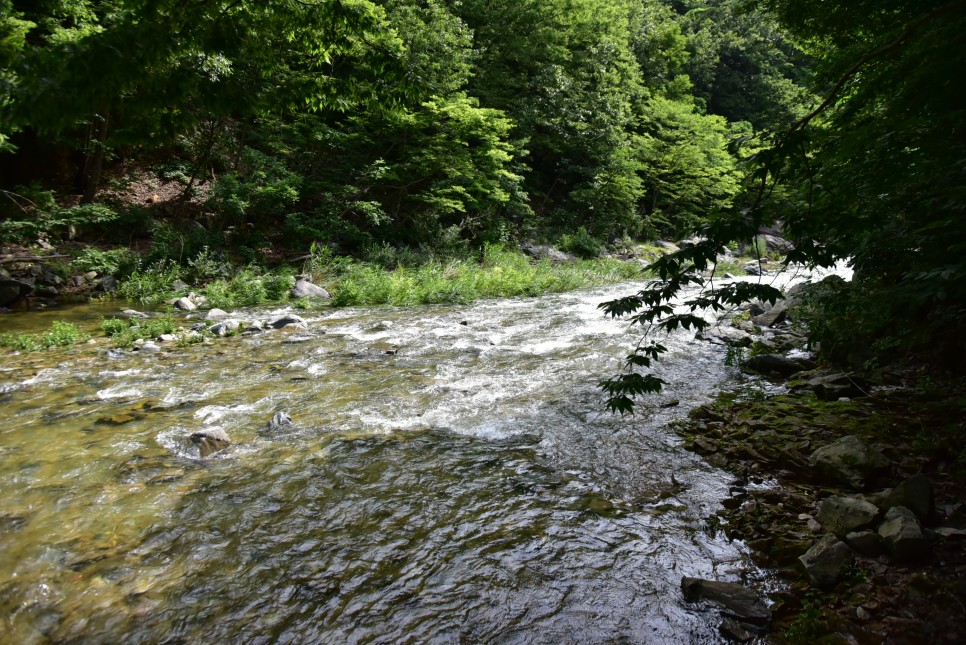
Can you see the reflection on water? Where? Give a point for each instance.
(468, 488)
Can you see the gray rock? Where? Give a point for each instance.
(77, 280)
(149, 347)
(107, 284)
(773, 316)
(737, 631)
(225, 328)
(185, 304)
(305, 289)
(773, 364)
(131, 313)
(902, 535)
(540, 252)
(210, 441)
(866, 543)
(755, 309)
(721, 335)
(178, 286)
(279, 422)
(827, 561)
(285, 320)
(849, 461)
(776, 243)
(738, 601)
(12, 290)
(256, 327)
(168, 338)
(914, 493)
(667, 246)
(843, 515)
(216, 314)
(832, 387)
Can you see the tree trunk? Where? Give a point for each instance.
(96, 151)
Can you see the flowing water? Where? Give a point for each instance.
(453, 478)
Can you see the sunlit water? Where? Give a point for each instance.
(470, 488)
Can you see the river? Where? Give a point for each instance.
(453, 478)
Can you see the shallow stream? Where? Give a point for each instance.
(453, 477)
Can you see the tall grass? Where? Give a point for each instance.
(501, 273)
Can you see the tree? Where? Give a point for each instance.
(878, 169)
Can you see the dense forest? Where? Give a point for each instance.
(443, 126)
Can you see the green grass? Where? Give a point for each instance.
(500, 274)
(400, 280)
(60, 334)
(123, 333)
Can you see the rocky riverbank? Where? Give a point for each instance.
(851, 490)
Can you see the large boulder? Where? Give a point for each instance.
(772, 316)
(914, 493)
(773, 364)
(827, 561)
(305, 289)
(184, 304)
(849, 461)
(865, 543)
(738, 601)
(902, 535)
(540, 252)
(286, 320)
(210, 441)
(225, 327)
(12, 290)
(832, 387)
(843, 515)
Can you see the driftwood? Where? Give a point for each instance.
(6, 259)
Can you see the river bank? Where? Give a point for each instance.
(863, 583)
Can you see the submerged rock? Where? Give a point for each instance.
(280, 421)
(210, 441)
(283, 321)
(850, 461)
(827, 561)
(738, 601)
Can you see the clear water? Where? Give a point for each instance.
(469, 488)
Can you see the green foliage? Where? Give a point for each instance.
(582, 244)
(123, 333)
(118, 262)
(151, 285)
(32, 212)
(60, 334)
(734, 355)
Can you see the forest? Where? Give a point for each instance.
(251, 131)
